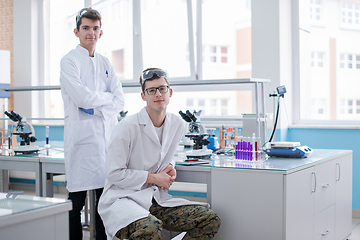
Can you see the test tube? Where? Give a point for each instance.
(47, 145)
(253, 150)
(47, 134)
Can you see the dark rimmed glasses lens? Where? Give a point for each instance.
(162, 89)
(151, 73)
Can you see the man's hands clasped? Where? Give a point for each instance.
(163, 179)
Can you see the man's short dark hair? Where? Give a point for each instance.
(87, 13)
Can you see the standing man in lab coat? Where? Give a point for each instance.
(93, 97)
(140, 169)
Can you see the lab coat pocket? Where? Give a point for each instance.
(83, 132)
(88, 165)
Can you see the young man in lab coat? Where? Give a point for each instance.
(93, 97)
(140, 169)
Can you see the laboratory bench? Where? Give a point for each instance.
(280, 198)
(27, 217)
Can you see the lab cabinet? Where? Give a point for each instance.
(311, 195)
(322, 195)
(27, 217)
(343, 207)
(307, 199)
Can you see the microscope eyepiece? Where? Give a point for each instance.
(13, 116)
(184, 116)
(191, 116)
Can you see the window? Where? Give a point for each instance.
(316, 10)
(216, 54)
(162, 40)
(319, 108)
(317, 59)
(350, 15)
(349, 61)
(329, 61)
(350, 108)
(224, 104)
(226, 38)
(59, 25)
(116, 42)
(165, 35)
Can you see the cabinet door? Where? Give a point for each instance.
(343, 214)
(300, 204)
(325, 186)
(249, 203)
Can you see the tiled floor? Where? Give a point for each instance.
(355, 233)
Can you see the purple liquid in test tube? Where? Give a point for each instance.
(47, 134)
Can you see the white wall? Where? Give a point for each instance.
(271, 50)
(27, 54)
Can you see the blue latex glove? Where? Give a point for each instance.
(88, 111)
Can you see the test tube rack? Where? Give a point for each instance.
(5, 136)
(227, 137)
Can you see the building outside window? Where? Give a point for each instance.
(349, 61)
(350, 14)
(350, 108)
(332, 75)
(215, 54)
(317, 59)
(316, 10)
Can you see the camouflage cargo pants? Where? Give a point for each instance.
(198, 221)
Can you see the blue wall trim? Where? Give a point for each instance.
(32, 181)
(56, 133)
(187, 194)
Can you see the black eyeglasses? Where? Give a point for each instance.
(152, 90)
(151, 73)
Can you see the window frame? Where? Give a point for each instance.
(296, 30)
(197, 73)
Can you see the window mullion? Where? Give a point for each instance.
(137, 41)
(199, 46)
(191, 39)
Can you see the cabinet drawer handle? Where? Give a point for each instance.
(325, 233)
(326, 185)
(314, 174)
(338, 176)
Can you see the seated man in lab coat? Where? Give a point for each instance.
(140, 169)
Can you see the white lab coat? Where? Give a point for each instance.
(134, 152)
(88, 82)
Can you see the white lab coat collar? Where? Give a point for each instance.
(85, 51)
